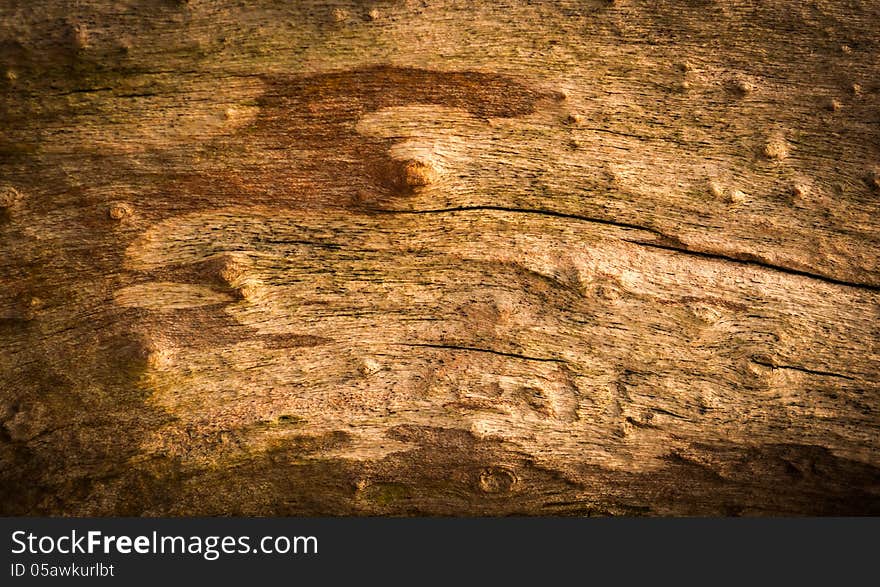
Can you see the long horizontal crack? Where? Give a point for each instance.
(656, 245)
(803, 370)
(316, 244)
(454, 347)
(536, 211)
(84, 91)
(757, 263)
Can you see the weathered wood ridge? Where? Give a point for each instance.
(396, 257)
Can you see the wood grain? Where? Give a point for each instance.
(358, 258)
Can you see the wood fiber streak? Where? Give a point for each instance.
(452, 258)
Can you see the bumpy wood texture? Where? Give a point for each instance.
(401, 257)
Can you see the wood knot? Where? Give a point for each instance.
(735, 197)
(759, 370)
(418, 174)
(497, 480)
(742, 87)
(536, 400)
(369, 367)
(119, 211)
(229, 270)
(775, 149)
(725, 194)
(159, 358)
(799, 190)
(604, 287)
(413, 174)
(8, 196)
(251, 290)
(149, 352)
(833, 105)
(874, 179)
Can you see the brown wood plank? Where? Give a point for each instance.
(565, 258)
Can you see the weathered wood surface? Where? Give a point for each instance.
(440, 258)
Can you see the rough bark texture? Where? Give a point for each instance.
(462, 258)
